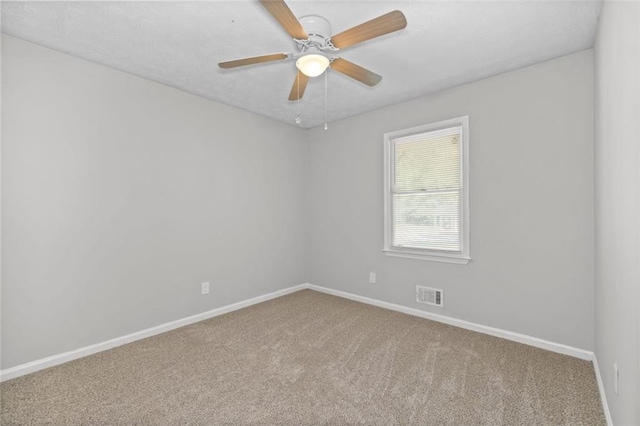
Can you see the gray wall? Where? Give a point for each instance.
(120, 196)
(617, 137)
(531, 154)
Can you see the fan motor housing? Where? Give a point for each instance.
(316, 26)
(319, 31)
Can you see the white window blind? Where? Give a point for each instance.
(425, 197)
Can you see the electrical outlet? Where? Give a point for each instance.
(372, 277)
(616, 378)
(205, 288)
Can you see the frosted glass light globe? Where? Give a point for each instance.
(312, 65)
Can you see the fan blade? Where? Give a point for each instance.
(356, 72)
(385, 24)
(252, 60)
(299, 84)
(279, 10)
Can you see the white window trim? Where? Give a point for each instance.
(462, 257)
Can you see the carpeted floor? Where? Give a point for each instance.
(310, 358)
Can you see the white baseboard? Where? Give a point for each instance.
(51, 361)
(40, 364)
(603, 396)
(497, 332)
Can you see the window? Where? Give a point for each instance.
(426, 193)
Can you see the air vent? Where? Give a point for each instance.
(430, 296)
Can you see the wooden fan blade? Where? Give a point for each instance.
(252, 60)
(356, 72)
(299, 84)
(279, 10)
(385, 24)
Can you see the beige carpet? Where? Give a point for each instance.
(310, 358)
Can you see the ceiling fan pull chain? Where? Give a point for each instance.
(298, 119)
(325, 101)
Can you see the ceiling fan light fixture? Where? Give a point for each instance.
(313, 64)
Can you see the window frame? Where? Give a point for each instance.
(461, 257)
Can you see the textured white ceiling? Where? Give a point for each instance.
(180, 43)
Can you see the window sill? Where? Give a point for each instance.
(458, 259)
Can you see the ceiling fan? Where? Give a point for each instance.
(315, 45)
